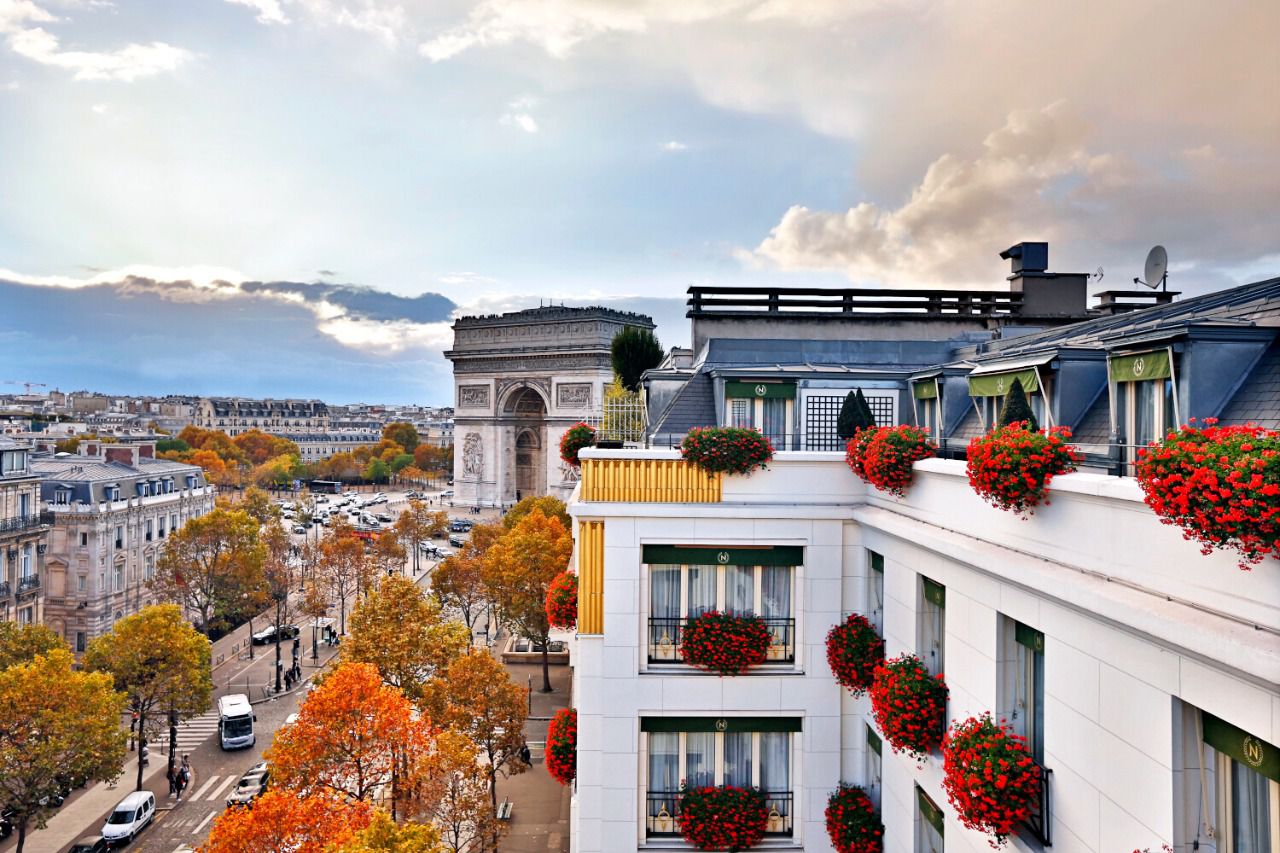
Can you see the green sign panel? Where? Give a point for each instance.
(763, 390)
(1253, 752)
(686, 555)
(934, 593)
(1141, 366)
(873, 740)
(1029, 637)
(719, 724)
(877, 562)
(925, 390)
(998, 384)
(930, 812)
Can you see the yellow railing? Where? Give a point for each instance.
(591, 577)
(648, 481)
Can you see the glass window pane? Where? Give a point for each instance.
(740, 412)
(664, 591)
(775, 422)
(775, 591)
(740, 589)
(699, 759)
(737, 759)
(664, 761)
(1250, 811)
(702, 589)
(775, 762)
(1144, 413)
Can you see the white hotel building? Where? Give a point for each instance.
(1144, 673)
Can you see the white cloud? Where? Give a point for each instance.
(673, 145)
(101, 109)
(518, 115)
(269, 11)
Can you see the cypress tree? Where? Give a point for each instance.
(633, 351)
(1016, 408)
(867, 419)
(855, 414)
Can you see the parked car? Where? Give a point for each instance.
(447, 494)
(457, 541)
(134, 813)
(444, 553)
(251, 786)
(456, 526)
(268, 634)
(89, 844)
(384, 518)
(6, 823)
(298, 528)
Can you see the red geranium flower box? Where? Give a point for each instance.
(727, 643)
(562, 600)
(726, 450)
(577, 437)
(854, 650)
(909, 704)
(884, 458)
(726, 818)
(990, 777)
(853, 824)
(561, 751)
(1011, 466)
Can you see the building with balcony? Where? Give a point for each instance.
(22, 536)
(234, 415)
(1144, 674)
(314, 446)
(111, 506)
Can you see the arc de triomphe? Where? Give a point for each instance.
(521, 380)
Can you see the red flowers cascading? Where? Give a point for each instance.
(854, 650)
(853, 824)
(727, 643)
(562, 746)
(885, 457)
(1011, 466)
(1221, 485)
(562, 600)
(729, 450)
(909, 704)
(990, 777)
(725, 818)
(577, 437)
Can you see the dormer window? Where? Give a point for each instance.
(1144, 400)
(111, 493)
(62, 497)
(144, 489)
(989, 390)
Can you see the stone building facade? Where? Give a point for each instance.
(521, 380)
(234, 415)
(22, 549)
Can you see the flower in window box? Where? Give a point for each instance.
(577, 437)
(856, 450)
(561, 751)
(854, 650)
(885, 458)
(562, 601)
(727, 450)
(909, 704)
(1221, 485)
(853, 824)
(991, 779)
(1011, 466)
(727, 643)
(726, 818)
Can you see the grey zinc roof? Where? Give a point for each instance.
(693, 406)
(1258, 400)
(81, 469)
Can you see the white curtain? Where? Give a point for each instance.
(775, 590)
(699, 759)
(664, 592)
(702, 589)
(664, 762)
(740, 589)
(775, 768)
(737, 759)
(1250, 808)
(775, 422)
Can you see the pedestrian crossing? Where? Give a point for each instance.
(191, 733)
(213, 788)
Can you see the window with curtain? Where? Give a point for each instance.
(875, 591)
(1144, 413)
(932, 627)
(929, 824)
(740, 413)
(1246, 770)
(774, 419)
(872, 766)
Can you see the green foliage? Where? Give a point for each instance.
(1016, 408)
(634, 350)
(399, 463)
(855, 414)
(165, 445)
(377, 471)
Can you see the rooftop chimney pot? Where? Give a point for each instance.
(1027, 257)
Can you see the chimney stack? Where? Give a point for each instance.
(125, 454)
(1044, 294)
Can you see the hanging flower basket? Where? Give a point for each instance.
(562, 601)
(854, 650)
(990, 777)
(726, 450)
(853, 824)
(856, 450)
(1221, 485)
(577, 437)
(910, 705)
(890, 454)
(725, 818)
(562, 746)
(1011, 466)
(727, 643)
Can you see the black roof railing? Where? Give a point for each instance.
(712, 301)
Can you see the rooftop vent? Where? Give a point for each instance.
(1027, 257)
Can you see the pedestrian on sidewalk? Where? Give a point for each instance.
(172, 775)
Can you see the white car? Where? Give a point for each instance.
(129, 818)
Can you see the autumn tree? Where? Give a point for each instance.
(387, 555)
(22, 643)
(401, 631)
(384, 835)
(208, 564)
(258, 446)
(412, 527)
(160, 663)
(277, 578)
(358, 738)
(459, 583)
(464, 813)
(549, 505)
(283, 820)
(343, 567)
(486, 706)
(259, 506)
(519, 567)
(58, 728)
(402, 433)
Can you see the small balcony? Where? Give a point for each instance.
(665, 637)
(28, 584)
(6, 589)
(19, 523)
(662, 813)
(1039, 824)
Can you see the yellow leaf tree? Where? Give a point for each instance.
(343, 567)
(551, 507)
(486, 706)
(21, 643)
(285, 821)
(465, 813)
(387, 555)
(259, 506)
(209, 563)
(384, 835)
(278, 584)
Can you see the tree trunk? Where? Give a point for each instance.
(342, 612)
(546, 667)
(142, 742)
(22, 834)
(278, 667)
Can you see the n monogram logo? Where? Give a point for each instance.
(722, 725)
(1139, 365)
(1252, 750)
(722, 558)
(1000, 384)
(761, 390)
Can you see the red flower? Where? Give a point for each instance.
(562, 600)
(853, 824)
(854, 650)
(1011, 466)
(727, 643)
(562, 746)
(989, 776)
(729, 450)
(884, 457)
(909, 705)
(725, 818)
(577, 437)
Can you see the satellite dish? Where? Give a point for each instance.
(1157, 268)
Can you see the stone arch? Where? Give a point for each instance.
(525, 399)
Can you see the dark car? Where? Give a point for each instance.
(251, 786)
(457, 541)
(457, 526)
(89, 844)
(268, 634)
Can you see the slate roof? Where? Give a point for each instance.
(693, 406)
(1258, 400)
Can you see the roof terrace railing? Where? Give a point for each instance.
(710, 301)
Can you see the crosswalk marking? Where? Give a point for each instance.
(184, 848)
(201, 824)
(200, 791)
(222, 788)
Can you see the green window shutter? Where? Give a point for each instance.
(1141, 366)
(929, 811)
(925, 390)
(877, 562)
(998, 384)
(1254, 753)
(934, 593)
(776, 555)
(873, 740)
(760, 390)
(1029, 637)
(720, 724)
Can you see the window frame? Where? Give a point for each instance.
(931, 626)
(875, 590)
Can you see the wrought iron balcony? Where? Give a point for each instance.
(1040, 823)
(19, 523)
(665, 635)
(6, 589)
(662, 813)
(29, 583)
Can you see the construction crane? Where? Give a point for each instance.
(27, 385)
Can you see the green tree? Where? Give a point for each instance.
(172, 444)
(22, 643)
(160, 663)
(58, 728)
(402, 433)
(855, 414)
(398, 464)
(633, 351)
(1016, 408)
(377, 471)
(210, 563)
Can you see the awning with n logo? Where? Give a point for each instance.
(995, 380)
(1140, 366)
(736, 390)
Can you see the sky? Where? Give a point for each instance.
(295, 197)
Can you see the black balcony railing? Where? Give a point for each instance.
(662, 813)
(665, 635)
(28, 583)
(19, 523)
(1040, 822)
(6, 590)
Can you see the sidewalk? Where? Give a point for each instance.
(71, 821)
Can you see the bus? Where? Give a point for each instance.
(328, 487)
(235, 721)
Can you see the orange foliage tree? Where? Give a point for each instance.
(484, 704)
(343, 567)
(283, 820)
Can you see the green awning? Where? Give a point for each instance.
(873, 740)
(720, 724)
(926, 389)
(934, 593)
(877, 562)
(734, 389)
(1254, 753)
(729, 555)
(929, 811)
(1029, 637)
(998, 384)
(1141, 366)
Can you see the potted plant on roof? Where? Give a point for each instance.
(990, 777)
(1011, 466)
(726, 450)
(577, 437)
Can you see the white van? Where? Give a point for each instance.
(235, 721)
(129, 818)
